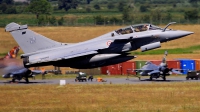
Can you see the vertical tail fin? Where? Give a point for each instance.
(28, 40)
(164, 63)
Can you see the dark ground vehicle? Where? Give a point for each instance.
(193, 75)
(81, 77)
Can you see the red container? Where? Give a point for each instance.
(103, 70)
(112, 69)
(128, 67)
(174, 64)
(156, 62)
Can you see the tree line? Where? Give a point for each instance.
(144, 10)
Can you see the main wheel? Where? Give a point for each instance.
(164, 78)
(26, 79)
(13, 80)
(150, 78)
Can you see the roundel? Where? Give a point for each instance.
(108, 42)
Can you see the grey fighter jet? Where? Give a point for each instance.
(19, 73)
(110, 48)
(156, 71)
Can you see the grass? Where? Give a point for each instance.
(187, 50)
(165, 97)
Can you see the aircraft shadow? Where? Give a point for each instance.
(161, 80)
(21, 82)
(156, 80)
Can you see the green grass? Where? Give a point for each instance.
(188, 50)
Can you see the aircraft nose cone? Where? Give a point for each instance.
(185, 33)
(178, 34)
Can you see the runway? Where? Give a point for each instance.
(122, 80)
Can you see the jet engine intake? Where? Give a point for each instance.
(150, 46)
(25, 60)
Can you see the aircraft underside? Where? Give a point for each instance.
(84, 62)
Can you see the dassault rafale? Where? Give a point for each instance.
(155, 71)
(111, 48)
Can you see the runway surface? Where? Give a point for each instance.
(124, 80)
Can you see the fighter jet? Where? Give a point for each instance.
(156, 71)
(111, 48)
(19, 73)
(12, 68)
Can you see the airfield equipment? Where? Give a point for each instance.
(193, 74)
(81, 77)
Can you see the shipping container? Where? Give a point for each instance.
(104, 70)
(112, 69)
(173, 64)
(197, 64)
(140, 63)
(186, 65)
(128, 67)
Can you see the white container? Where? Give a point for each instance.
(62, 82)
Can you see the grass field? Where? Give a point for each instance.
(165, 97)
(154, 97)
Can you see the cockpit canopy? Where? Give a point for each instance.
(137, 28)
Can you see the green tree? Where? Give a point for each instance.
(99, 20)
(144, 8)
(88, 9)
(61, 21)
(53, 21)
(194, 2)
(3, 7)
(67, 4)
(126, 14)
(11, 10)
(88, 1)
(96, 6)
(39, 7)
(121, 6)
(8, 1)
(111, 6)
(145, 18)
(42, 20)
(191, 14)
(156, 15)
(169, 16)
